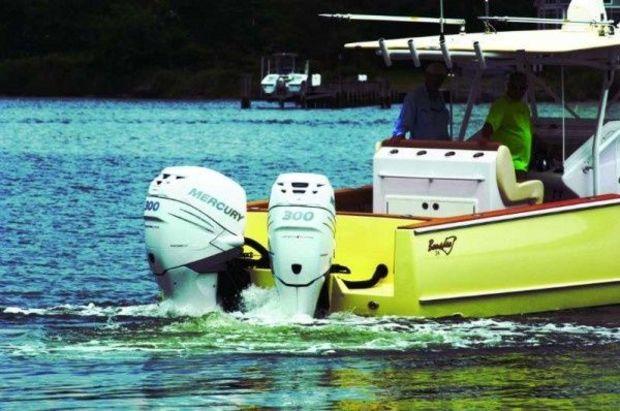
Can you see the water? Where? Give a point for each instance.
(80, 323)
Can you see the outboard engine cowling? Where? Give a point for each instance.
(194, 223)
(302, 225)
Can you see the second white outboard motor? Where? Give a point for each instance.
(194, 220)
(302, 225)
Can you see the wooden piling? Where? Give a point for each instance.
(246, 91)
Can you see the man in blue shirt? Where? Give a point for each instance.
(424, 114)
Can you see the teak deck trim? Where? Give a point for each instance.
(515, 213)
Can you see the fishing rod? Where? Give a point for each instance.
(397, 19)
(441, 19)
(537, 20)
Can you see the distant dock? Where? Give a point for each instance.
(340, 94)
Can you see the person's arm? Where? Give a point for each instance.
(486, 132)
(402, 124)
(493, 121)
(399, 125)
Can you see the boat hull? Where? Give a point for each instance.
(530, 259)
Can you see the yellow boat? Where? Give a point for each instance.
(528, 258)
(444, 229)
(478, 265)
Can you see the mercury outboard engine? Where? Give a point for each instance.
(302, 225)
(194, 219)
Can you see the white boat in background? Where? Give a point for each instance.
(444, 229)
(283, 81)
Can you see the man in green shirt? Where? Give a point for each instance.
(509, 123)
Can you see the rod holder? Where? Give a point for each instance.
(414, 53)
(385, 53)
(446, 53)
(480, 55)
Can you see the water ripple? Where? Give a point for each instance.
(80, 326)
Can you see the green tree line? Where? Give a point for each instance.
(192, 48)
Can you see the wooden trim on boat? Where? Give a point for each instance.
(258, 205)
(393, 216)
(512, 214)
(348, 200)
(358, 200)
(480, 145)
(358, 214)
(429, 224)
(501, 293)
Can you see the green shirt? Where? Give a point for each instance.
(512, 127)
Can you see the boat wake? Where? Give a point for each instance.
(260, 328)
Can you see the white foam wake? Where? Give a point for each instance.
(260, 326)
(164, 309)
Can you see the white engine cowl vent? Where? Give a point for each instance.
(302, 225)
(194, 223)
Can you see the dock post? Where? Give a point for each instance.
(384, 94)
(303, 102)
(246, 91)
(387, 94)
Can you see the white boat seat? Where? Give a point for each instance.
(532, 191)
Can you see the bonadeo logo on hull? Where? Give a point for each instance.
(215, 203)
(446, 246)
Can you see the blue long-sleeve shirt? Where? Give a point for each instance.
(423, 115)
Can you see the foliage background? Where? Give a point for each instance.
(193, 48)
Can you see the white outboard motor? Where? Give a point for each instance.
(194, 220)
(302, 225)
